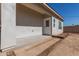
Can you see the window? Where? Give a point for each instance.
(47, 23)
(54, 23)
(60, 25)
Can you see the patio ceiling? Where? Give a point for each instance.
(37, 7)
(43, 9)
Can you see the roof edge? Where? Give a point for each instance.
(52, 10)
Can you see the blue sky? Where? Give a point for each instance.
(69, 11)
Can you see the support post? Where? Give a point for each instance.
(8, 25)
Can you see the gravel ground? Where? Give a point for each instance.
(67, 47)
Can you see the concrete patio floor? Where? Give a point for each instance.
(25, 41)
(67, 47)
(29, 42)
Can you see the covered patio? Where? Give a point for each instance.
(30, 23)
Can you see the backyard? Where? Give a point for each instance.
(67, 47)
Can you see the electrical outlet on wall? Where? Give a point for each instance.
(32, 30)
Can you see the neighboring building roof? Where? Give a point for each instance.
(53, 11)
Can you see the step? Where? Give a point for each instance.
(34, 50)
(62, 36)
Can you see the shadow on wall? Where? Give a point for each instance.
(0, 16)
(27, 17)
(0, 24)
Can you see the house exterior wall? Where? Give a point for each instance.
(8, 23)
(28, 22)
(20, 21)
(56, 30)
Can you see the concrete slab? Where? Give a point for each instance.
(36, 48)
(26, 41)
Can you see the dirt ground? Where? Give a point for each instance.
(67, 47)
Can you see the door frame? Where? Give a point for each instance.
(50, 26)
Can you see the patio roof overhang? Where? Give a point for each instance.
(52, 11)
(43, 9)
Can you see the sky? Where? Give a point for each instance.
(69, 11)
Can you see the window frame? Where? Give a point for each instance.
(60, 25)
(54, 22)
(47, 23)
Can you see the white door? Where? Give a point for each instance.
(47, 26)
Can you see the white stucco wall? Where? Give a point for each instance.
(56, 30)
(8, 24)
(27, 31)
